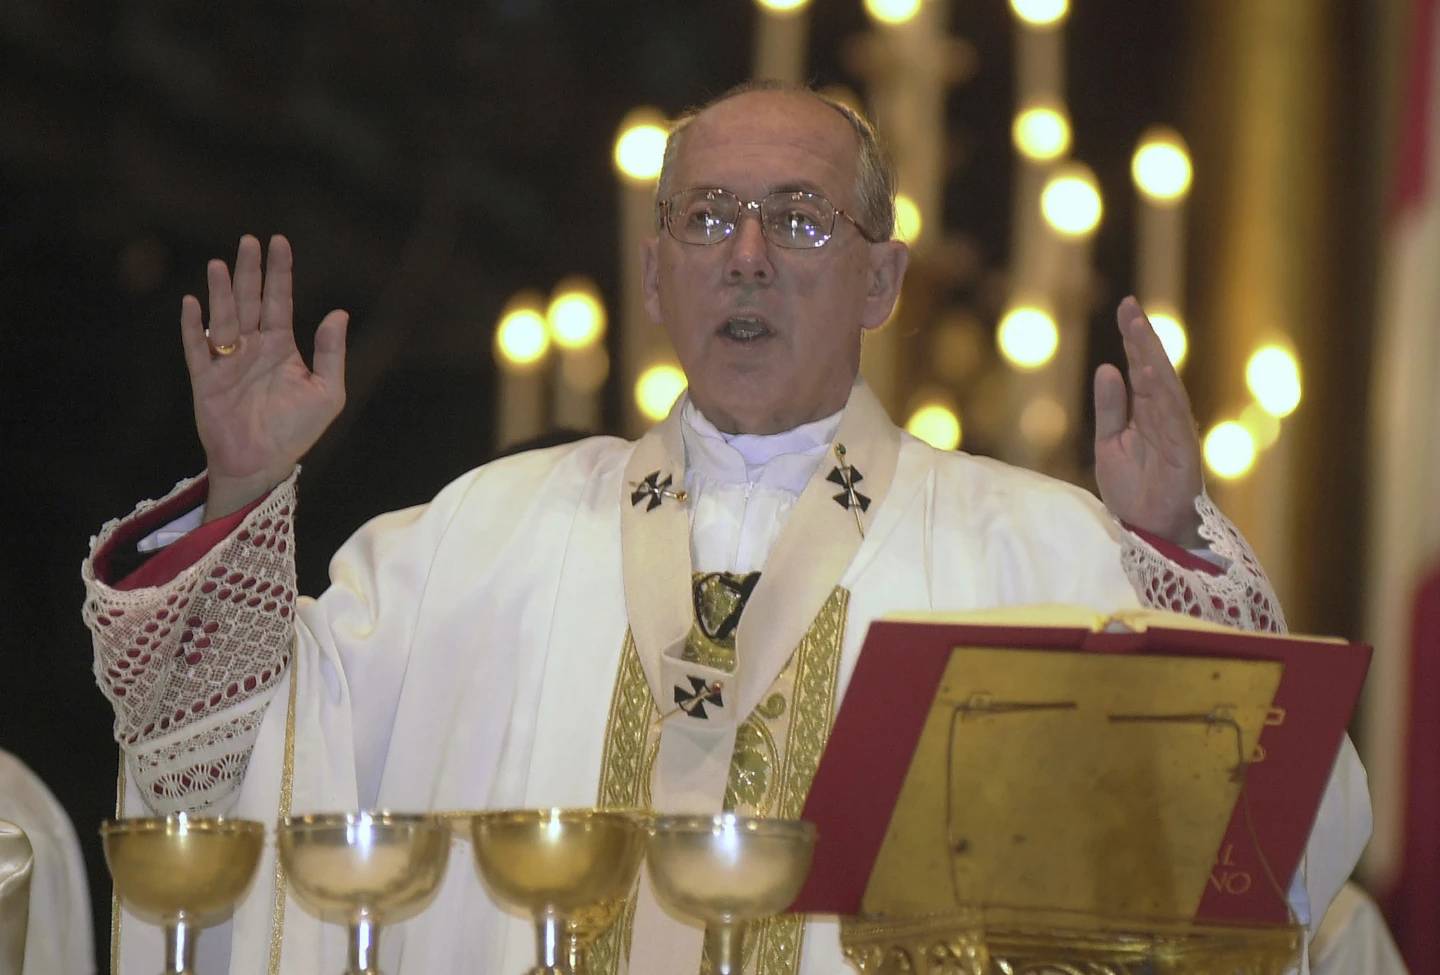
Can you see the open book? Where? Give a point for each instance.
(1144, 764)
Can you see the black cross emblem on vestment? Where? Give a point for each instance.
(655, 490)
(693, 700)
(847, 477)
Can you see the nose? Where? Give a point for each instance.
(749, 258)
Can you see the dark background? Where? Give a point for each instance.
(426, 161)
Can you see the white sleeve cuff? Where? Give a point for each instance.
(174, 531)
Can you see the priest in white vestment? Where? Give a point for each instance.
(515, 642)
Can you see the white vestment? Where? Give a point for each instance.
(465, 653)
(58, 939)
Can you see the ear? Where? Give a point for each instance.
(650, 277)
(888, 261)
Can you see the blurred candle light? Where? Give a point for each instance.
(1071, 201)
(892, 12)
(657, 389)
(936, 424)
(1171, 332)
(575, 320)
(575, 315)
(1041, 133)
(521, 343)
(640, 146)
(521, 338)
(1162, 174)
(1273, 376)
(907, 219)
(1040, 13)
(1229, 450)
(1161, 166)
(639, 155)
(1028, 337)
(782, 6)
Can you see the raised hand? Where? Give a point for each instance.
(258, 407)
(1147, 450)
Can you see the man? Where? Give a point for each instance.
(548, 629)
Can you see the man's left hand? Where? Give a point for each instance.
(1147, 450)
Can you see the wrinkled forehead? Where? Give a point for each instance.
(763, 141)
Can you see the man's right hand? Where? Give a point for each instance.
(259, 408)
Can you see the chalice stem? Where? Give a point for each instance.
(364, 948)
(724, 943)
(552, 947)
(179, 948)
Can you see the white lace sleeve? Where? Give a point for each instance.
(189, 666)
(1240, 596)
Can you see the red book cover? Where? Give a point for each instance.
(895, 682)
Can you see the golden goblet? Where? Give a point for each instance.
(727, 870)
(181, 872)
(569, 869)
(364, 870)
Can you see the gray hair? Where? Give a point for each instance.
(874, 173)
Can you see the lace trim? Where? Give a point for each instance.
(213, 641)
(1241, 596)
(202, 768)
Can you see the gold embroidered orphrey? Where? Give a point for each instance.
(777, 747)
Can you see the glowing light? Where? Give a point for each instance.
(1171, 332)
(1041, 133)
(782, 6)
(1028, 337)
(1273, 376)
(892, 11)
(1071, 201)
(640, 146)
(1262, 426)
(575, 314)
(1161, 166)
(937, 425)
(1040, 13)
(657, 389)
(1229, 450)
(1043, 422)
(521, 338)
(907, 219)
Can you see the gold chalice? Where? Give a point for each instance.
(181, 872)
(364, 870)
(571, 870)
(727, 870)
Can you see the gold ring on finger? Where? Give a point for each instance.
(221, 351)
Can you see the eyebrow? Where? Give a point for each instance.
(797, 186)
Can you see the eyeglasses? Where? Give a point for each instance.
(788, 218)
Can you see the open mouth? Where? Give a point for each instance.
(745, 328)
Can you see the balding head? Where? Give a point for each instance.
(874, 184)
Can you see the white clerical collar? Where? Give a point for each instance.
(782, 460)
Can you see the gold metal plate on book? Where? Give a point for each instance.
(1099, 784)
